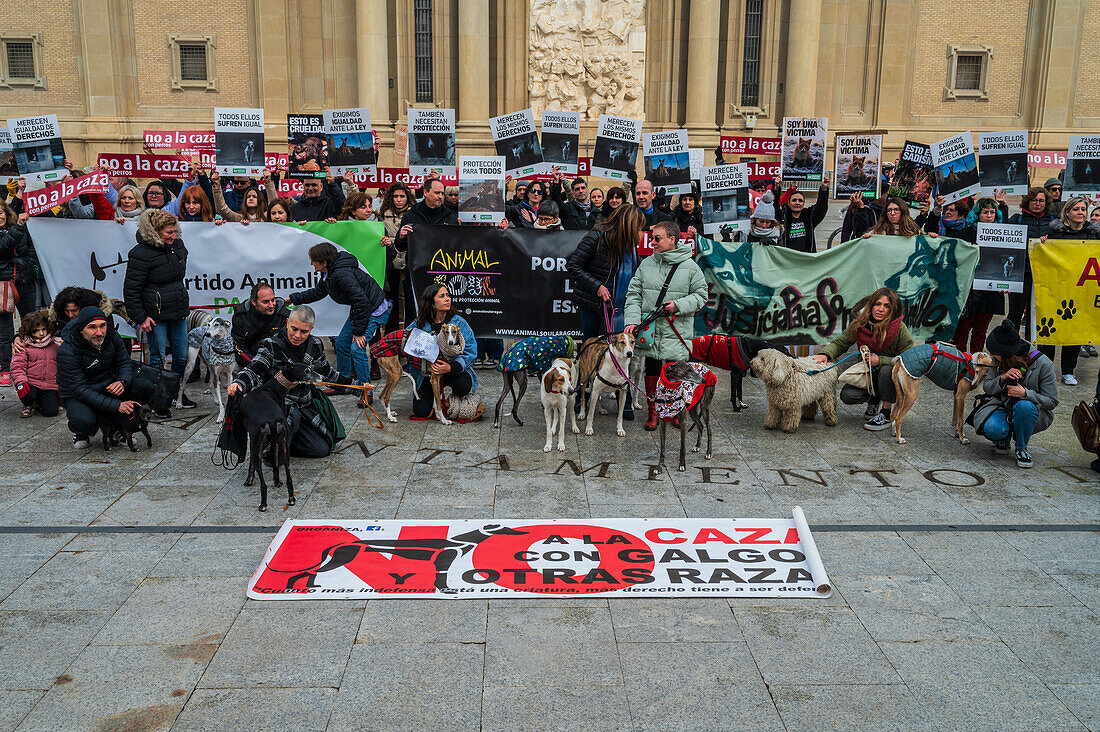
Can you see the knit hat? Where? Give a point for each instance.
(765, 210)
(159, 218)
(1004, 340)
(1052, 182)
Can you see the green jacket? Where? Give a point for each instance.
(847, 339)
(688, 290)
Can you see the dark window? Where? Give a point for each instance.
(20, 59)
(193, 62)
(968, 71)
(750, 68)
(422, 27)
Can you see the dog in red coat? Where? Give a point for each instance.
(733, 354)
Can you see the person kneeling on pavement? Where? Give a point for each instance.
(257, 319)
(1021, 392)
(312, 430)
(94, 371)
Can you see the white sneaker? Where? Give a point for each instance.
(80, 443)
(1069, 380)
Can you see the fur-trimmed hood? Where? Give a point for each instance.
(83, 297)
(1090, 231)
(146, 234)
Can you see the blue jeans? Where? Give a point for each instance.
(348, 354)
(1024, 417)
(172, 332)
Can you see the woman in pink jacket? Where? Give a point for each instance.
(34, 368)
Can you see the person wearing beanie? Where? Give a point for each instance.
(1022, 392)
(765, 228)
(1053, 187)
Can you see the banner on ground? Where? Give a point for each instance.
(615, 153)
(856, 165)
(223, 262)
(239, 141)
(146, 166)
(506, 283)
(1003, 161)
(1082, 167)
(725, 204)
(350, 141)
(501, 558)
(956, 168)
(177, 139)
(307, 146)
(666, 160)
(804, 149)
(480, 189)
(1002, 257)
(792, 297)
(8, 168)
(517, 141)
(39, 150)
(1066, 293)
(431, 141)
(561, 141)
(912, 178)
(36, 202)
(751, 145)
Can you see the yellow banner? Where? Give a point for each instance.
(1066, 274)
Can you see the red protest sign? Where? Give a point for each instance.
(174, 139)
(733, 145)
(36, 202)
(763, 171)
(386, 177)
(1041, 159)
(275, 161)
(645, 247)
(146, 166)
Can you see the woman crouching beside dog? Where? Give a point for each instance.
(457, 373)
(672, 281)
(878, 326)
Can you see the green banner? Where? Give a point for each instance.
(794, 298)
(363, 239)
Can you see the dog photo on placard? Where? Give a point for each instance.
(431, 148)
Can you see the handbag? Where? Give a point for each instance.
(324, 407)
(155, 387)
(9, 296)
(861, 375)
(647, 332)
(1086, 425)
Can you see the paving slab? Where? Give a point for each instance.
(36, 646)
(1058, 644)
(14, 705)
(177, 610)
(401, 621)
(673, 620)
(261, 710)
(841, 708)
(1083, 700)
(908, 608)
(83, 581)
(554, 708)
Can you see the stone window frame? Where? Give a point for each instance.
(178, 83)
(7, 81)
(954, 51)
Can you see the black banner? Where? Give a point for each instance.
(506, 283)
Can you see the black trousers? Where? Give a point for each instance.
(884, 385)
(305, 439)
(423, 400)
(1070, 354)
(84, 420)
(48, 400)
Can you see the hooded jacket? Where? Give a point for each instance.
(688, 289)
(1041, 387)
(154, 286)
(420, 213)
(82, 297)
(84, 372)
(346, 284)
(251, 327)
(1058, 230)
(325, 206)
(18, 262)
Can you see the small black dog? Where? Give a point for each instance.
(116, 429)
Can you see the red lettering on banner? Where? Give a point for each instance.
(791, 537)
(146, 166)
(1090, 272)
(645, 247)
(762, 171)
(654, 535)
(175, 139)
(276, 161)
(35, 202)
(737, 145)
(706, 536)
(754, 536)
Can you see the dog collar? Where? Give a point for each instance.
(285, 382)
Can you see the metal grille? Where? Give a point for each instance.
(193, 62)
(20, 59)
(968, 72)
(422, 25)
(750, 67)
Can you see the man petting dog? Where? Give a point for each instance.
(310, 434)
(257, 319)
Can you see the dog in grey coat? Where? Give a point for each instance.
(212, 341)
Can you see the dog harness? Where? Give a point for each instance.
(536, 353)
(944, 364)
(722, 352)
(673, 397)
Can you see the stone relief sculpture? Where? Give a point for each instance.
(588, 56)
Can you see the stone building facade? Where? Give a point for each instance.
(908, 69)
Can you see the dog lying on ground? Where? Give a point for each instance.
(556, 392)
(387, 352)
(535, 355)
(792, 384)
(948, 368)
(685, 389)
(117, 429)
(595, 367)
(212, 340)
(733, 354)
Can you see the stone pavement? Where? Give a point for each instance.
(943, 617)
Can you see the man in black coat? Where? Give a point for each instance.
(577, 213)
(94, 373)
(317, 204)
(429, 210)
(644, 198)
(261, 316)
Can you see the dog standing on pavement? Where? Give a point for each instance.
(733, 354)
(596, 368)
(794, 383)
(685, 390)
(557, 394)
(212, 340)
(118, 428)
(535, 354)
(947, 367)
(387, 353)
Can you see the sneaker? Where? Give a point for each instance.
(872, 409)
(80, 442)
(1069, 379)
(479, 363)
(165, 414)
(491, 362)
(26, 412)
(186, 403)
(879, 422)
(5, 379)
(1023, 458)
(1001, 446)
(1088, 351)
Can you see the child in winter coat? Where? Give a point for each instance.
(34, 368)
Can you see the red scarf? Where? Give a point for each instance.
(865, 337)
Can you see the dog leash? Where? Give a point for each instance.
(608, 317)
(365, 389)
(833, 366)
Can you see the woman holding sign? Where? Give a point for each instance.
(980, 306)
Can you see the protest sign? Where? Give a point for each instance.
(36, 202)
(223, 262)
(239, 141)
(804, 148)
(762, 171)
(1082, 167)
(956, 168)
(912, 178)
(475, 559)
(792, 297)
(666, 160)
(422, 344)
(178, 139)
(751, 145)
(645, 243)
(1003, 162)
(8, 167)
(856, 165)
(480, 189)
(307, 146)
(725, 201)
(696, 162)
(1066, 291)
(146, 166)
(1001, 259)
(506, 283)
(1050, 159)
(380, 178)
(584, 168)
(561, 140)
(432, 141)
(517, 142)
(616, 151)
(36, 143)
(350, 141)
(275, 162)
(401, 146)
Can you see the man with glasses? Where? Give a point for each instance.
(1053, 188)
(577, 214)
(318, 203)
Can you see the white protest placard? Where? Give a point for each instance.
(1002, 255)
(37, 147)
(8, 168)
(1082, 166)
(803, 149)
(517, 141)
(421, 344)
(239, 141)
(481, 189)
(561, 141)
(856, 165)
(956, 167)
(616, 151)
(350, 141)
(667, 162)
(725, 197)
(1002, 159)
(432, 141)
(696, 160)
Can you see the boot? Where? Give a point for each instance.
(651, 390)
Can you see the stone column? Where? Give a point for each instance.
(473, 60)
(803, 35)
(373, 58)
(702, 63)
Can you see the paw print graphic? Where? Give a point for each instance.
(1046, 327)
(1067, 311)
